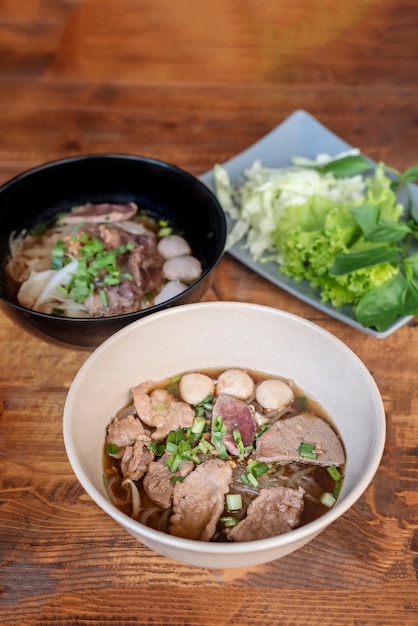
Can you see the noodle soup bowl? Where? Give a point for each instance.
(220, 335)
(166, 192)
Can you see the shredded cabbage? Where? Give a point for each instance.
(301, 218)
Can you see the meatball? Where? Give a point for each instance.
(186, 269)
(274, 394)
(235, 382)
(195, 387)
(172, 246)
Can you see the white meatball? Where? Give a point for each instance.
(171, 289)
(196, 387)
(235, 383)
(183, 268)
(274, 394)
(173, 245)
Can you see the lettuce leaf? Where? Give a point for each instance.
(341, 233)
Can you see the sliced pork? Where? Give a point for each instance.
(236, 415)
(274, 512)
(160, 410)
(131, 439)
(198, 501)
(100, 213)
(124, 432)
(158, 482)
(281, 442)
(136, 459)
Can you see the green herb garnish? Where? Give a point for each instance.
(307, 450)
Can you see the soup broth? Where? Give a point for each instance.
(99, 260)
(223, 455)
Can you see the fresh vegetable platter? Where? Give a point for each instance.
(320, 220)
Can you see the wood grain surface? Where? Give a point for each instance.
(193, 83)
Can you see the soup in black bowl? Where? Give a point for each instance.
(63, 208)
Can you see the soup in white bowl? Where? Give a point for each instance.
(225, 335)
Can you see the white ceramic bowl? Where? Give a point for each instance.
(225, 334)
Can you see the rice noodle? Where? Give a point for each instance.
(111, 483)
(135, 498)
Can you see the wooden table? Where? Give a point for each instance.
(194, 83)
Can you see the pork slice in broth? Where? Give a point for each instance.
(158, 482)
(281, 442)
(124, 432)
(135, 460)
(198, 501)
(236, 415)
(274, 512)
(160, 410)
(100, 213)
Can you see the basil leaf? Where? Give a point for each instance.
(381, 306)
(346, 166)
(410, 174)
(411, 298)
(368, 218)
(353, 261)
(412, 261)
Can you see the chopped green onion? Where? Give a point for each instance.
(175, 436)
(302, 401)
(177, 479)
(238, 440)
(306, 450)
(218, 443)
(38, 230)
(57, 261)
(165, 228)
(94, 264)
(171, 447)
(112, 279)
(176, 379)
(103, 298)
(328, 499)
(337, 489)
(218, 425)
(184, 450)
(157, 448)
(262, 430)
(173, 462)
(173, 388)
(333, 472)
(244, 479)
(251, 464)
(112, 448)
(252, 479)
(205, 405)
(259, 469)
(204, 446)
(233, 501)
(198, 425)
(228, 521)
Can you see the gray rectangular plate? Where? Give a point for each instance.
(299, 135)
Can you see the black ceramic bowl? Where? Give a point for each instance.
(167, 192)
